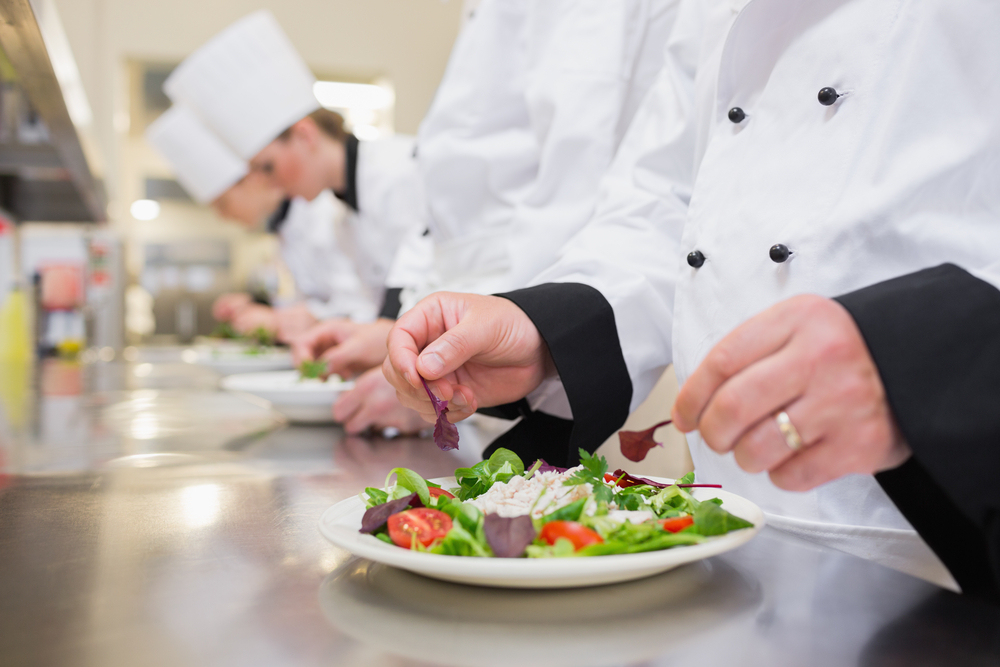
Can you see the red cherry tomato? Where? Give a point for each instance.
(422, 523)
(677, 523)
(435, 492)
(578, 534)
(608, 477)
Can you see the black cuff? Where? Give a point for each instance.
(578, 325)
(391, 303)
(956, 540)
(935, 338)
(508, 411)
(530, 438)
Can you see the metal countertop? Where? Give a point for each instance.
(132, 536)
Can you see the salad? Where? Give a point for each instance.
(312, 370)
(497, 508)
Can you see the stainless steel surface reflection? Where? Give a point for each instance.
(198, 552)
(406, 614)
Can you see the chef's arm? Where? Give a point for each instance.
(935, 337)
(578, 325)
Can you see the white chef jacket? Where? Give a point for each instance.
(391, 211)
(900, 174)
(313, 239)
(533, 104)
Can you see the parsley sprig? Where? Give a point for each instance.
(594, 468)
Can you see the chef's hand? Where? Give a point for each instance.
(226, 306)
(472, 350)
(349, 348)
(373, 404)
(293, 321)
(255, 316)
(804, 356)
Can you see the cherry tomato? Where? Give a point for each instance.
(608, 477)
(435, 492)
(422, 523)
(578, 534)
(677, 523)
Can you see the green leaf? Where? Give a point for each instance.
(593, 471)
(686, 479)
(408, 479)
(710, 519)
(570, 512)
(502, 457)
(312, 370)
(375, 497)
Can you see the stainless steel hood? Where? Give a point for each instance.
(44, 171)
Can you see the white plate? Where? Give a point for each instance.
(340, 525)
(303, 401)
(231, 359)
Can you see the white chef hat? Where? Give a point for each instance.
(247, 83)
(203, 164)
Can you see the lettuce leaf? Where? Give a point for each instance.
(445, 433)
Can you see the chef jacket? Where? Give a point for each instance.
(532, 106)
(385, 195)
(807, 147)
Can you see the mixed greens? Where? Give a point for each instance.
(583, 511)
(312, 370)
(257, 340)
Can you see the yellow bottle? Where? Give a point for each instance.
(15, 358)
(15, 339)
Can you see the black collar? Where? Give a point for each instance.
(350, 194)
(277, 219)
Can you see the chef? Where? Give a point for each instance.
(803, 219)
(308, 231)
(533, 104)
(252, 89)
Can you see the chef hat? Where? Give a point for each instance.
(247, 83)
(204, 165)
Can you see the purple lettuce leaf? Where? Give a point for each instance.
(636, 444)
(625, 480)
(445, 433)
(545, 467)
(508, 536)
(375, 517)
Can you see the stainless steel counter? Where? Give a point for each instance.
(132, 539)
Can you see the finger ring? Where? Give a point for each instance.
(787, 428)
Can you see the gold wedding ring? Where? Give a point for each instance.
(787, 428)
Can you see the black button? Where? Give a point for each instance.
(779, 253)
(696, 259)
(828, 96)
(737, 115)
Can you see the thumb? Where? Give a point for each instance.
(453, 348)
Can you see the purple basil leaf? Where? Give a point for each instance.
(375, 517)
(636, 444)
(508, 536)
(545, 467)
(445, 433)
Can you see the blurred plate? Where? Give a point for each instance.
(232, 359)
(340, 525)
(303, 401)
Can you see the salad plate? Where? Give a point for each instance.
(341, 524)
(230, 359)
(302, 400)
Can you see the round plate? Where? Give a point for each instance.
(302, 401)
(228, 360)
(340, 525)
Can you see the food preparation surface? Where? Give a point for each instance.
(113, 554)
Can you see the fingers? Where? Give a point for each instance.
(753, 340)
(763, 446)
(757, 392)
(317, 339)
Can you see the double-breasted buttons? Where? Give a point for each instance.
(827, 96)
(779, 253)
(737, 115)
(696, 259)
